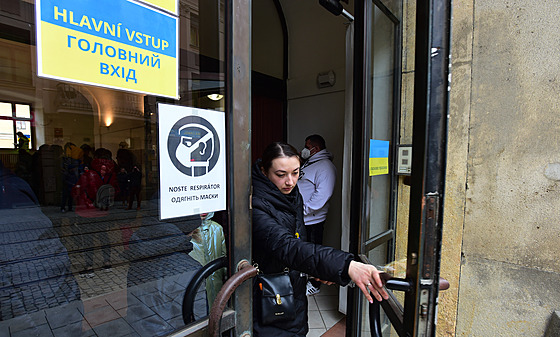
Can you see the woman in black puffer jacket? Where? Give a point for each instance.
(279, 241)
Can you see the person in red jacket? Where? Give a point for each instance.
(102, 172)
(94, 194)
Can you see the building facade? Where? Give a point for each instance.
(71, 265)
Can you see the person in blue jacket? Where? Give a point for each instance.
(38, 286)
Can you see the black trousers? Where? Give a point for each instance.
(315, 234)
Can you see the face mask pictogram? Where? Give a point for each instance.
(193, 146)
(196, 146)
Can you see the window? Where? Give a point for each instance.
(194, 31)
(15, 118)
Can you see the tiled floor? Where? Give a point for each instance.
(323, 311)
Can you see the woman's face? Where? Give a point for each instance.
(284, 173)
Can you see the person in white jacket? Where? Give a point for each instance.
(316, 185)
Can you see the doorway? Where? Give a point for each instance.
(325, 45)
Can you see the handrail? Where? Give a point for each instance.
(196, 280)
(245, 272)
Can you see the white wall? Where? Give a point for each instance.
(317, 44)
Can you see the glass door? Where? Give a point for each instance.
(84, 248)
(380, 134)
(411, 308)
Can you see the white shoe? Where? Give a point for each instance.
(311, 290)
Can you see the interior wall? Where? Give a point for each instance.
(317, 46)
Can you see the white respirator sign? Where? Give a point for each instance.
(192, 161)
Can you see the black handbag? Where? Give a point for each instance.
(276, 298)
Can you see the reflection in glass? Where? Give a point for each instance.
(374, 256)
(6, 134)
(35, 267)
(20, 118)
(83, 250)
(5, 109)
(23, 111)
(382, 111)
(208, 245)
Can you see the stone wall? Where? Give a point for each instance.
(502, 219)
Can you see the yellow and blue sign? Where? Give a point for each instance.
(116, 44)
(378, 157)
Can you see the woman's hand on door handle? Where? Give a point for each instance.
(367, 279)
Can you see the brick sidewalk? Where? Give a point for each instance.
(112, 303)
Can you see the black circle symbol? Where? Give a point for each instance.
(193, 146)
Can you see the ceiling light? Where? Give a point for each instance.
(215, 97)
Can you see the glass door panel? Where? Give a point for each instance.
(415, 280)
(83, 251)
(382, 111)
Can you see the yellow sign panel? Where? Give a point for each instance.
(378, 166)
(141, 71)
(168, 5)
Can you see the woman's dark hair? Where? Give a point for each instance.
(277, 150)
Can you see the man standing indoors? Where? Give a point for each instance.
(316, 185)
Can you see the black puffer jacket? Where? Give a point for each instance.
(276, 220)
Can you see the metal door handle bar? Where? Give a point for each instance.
(244, 272)
(194, 284)
(394, 309)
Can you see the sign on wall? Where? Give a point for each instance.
(191, 160)
(378, 157)
(116, 44)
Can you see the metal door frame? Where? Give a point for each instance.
(238, 166)
(432, 68)
(238, 118)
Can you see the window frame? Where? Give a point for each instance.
(16, 119)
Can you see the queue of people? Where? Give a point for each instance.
(93, 182)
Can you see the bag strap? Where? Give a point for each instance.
(259, 272)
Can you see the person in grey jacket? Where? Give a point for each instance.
(279, 241)
(316, 185)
